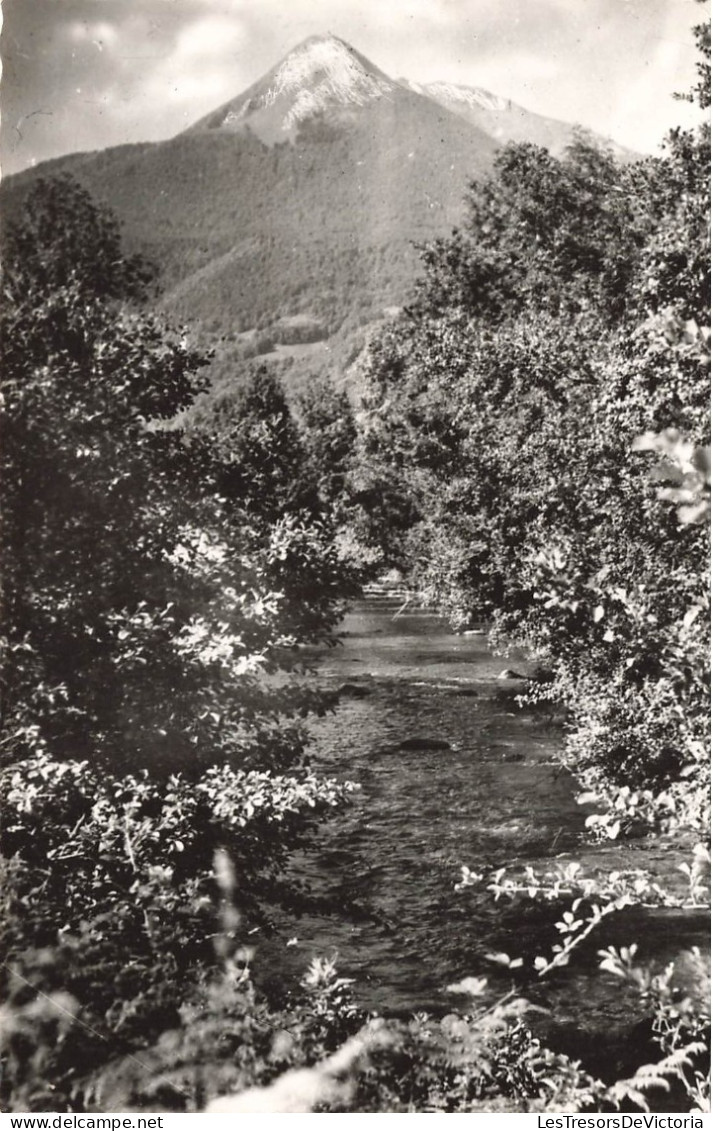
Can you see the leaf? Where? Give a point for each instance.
(666, 473)
(474, 987)
(612, 966)
(654, 441)
(695, 513)
(501, 958)
(691, 615)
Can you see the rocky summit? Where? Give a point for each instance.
(322, 76)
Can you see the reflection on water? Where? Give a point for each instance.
(496, 796)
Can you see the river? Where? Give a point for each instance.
(496, 796)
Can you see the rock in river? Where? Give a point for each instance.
(424, 744)
(356, 690)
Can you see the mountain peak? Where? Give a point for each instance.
(322, 38)
(329, 69)
(322, 74)
(450, 93)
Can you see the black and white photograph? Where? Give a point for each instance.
(354, 541)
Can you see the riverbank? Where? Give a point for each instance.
(452, 771)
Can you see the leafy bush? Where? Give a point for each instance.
(154, 613)
(155, 1040)
(320, 1052)
(502, 458)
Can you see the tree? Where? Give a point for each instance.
(254, 442)
(263, 469)
(328, 434)
(141, 612)
(563, 321)
(563, 234)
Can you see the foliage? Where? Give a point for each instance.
(147, 597)
(680, 1029)
(687, 467)
(508, 412)
(161, 580)
(154, 613)
(109, 894)
(252, 435)
(328, 432)
(247, 234)
(541, 230)
(85, 255)
(283, 479)
(678, 1010)
(224, 1038)
(230, 1051)
(226, 1048)
(507, 420)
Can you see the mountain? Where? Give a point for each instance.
(505, 121)
(291, 212)
(323, 76)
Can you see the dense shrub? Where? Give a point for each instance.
(155, 605)
(502, 439)
(155, 1040)
(151, 583)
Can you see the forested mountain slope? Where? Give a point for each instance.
(303, 196)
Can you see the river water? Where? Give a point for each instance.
(496, 796)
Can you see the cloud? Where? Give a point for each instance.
(100, 33)
(200, 71)
(437, 13)
(209, 37)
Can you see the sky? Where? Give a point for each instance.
(87, 74)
